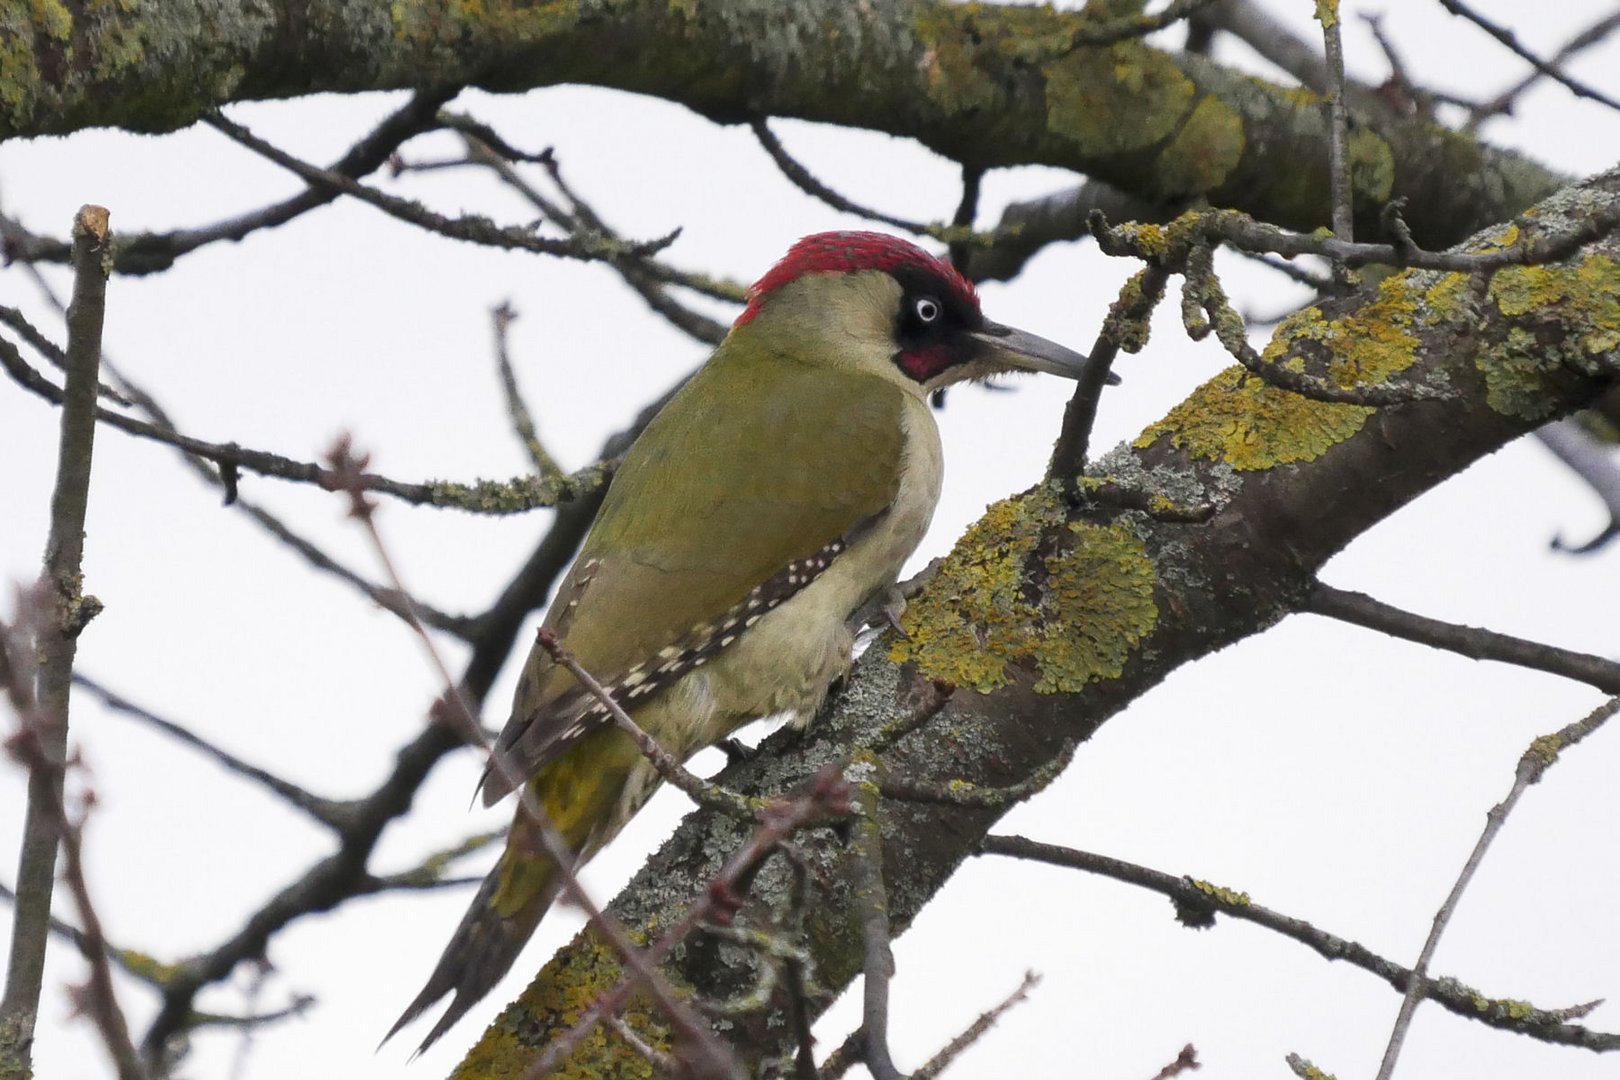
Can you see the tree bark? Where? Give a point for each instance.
(988, 86)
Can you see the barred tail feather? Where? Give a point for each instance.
(480, 953)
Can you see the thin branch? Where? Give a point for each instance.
(1027, 227)
(1197, 902)
(976, 1030)
(333, 813)
(515, 496)
(1541, 756)
(1474, 642)
(61, 591)
(647, 277)
(1126, 326)
(803, 179)
(1504, 102)
(1186, 1061)
(845, 1056)
(967, 212)
(146, 253)
(50, 350)
(1327, 11)
(477, 230)
(502, 316)
(1136, 26)
(695, 787)
(1511, 41)
(872, 907)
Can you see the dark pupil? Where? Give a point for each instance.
(927, 310)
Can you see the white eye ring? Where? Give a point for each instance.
(927, 309)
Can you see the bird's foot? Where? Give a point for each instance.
(736, 753)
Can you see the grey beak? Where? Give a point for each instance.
(1023, 351)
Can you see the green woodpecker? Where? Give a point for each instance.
(781, 489)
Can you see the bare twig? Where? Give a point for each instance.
(695, 787)
(1125, 327)
(646, 276)
(803, 179)
(872, 905)
(1197, 902)
(1338, 116)
(502, 316)
(331, 812)
(146, 253)
(1504, 102)
(50, 350)
(1305, 1070)
(1474, 642)
(225, 476)
(1186, 1061)
(845, 1056)
(975, 1031)
(62, 590)
(476, 230)
(1541, 756)
(518, 495)
(1511, 41)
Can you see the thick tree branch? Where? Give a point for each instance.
(1114, 600)
(984, 85)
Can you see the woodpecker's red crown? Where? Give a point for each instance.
(847, 252)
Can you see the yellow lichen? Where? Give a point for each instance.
(955, 82)
(1074, 614)
(1220, 893)
(569, 985)
(1563, 314)
(1206, 149)
(1239, 418)
(1244, 421)
(1584, 293)
(1443, 298)
(1514, 370)
(1372, 165)
(1085, 91)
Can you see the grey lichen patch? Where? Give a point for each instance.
(1515, 371)
(432, 28)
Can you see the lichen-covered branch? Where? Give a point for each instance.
(986, 85)
(1051, 614)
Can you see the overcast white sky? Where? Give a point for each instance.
(1335, 775)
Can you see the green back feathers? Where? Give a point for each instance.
(760, 460)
